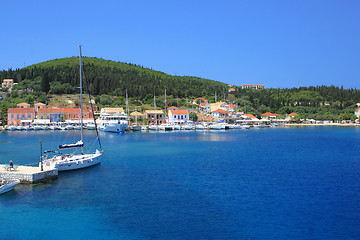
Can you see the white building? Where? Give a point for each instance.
(7, 83)
(205, 107)
(220, 114)
(178, 116)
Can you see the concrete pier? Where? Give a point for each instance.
(27, 174)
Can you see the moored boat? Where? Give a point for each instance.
(8, 185)
(67, 161)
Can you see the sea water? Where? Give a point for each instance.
(276, 183)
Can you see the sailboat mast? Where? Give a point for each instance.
(81, 104)
(155, 109)
(166, 106)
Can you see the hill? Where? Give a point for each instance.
(109, 77)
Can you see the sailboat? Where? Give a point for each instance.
(136, 127)
(165, 126)
(66, 162)
(154, 127)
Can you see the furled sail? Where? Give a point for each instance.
(73, 145)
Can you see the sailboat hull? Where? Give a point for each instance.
(73, 162)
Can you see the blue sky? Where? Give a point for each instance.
(275, 43)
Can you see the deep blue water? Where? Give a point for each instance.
(278, 183)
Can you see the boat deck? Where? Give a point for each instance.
(27, 174)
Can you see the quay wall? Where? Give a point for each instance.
(30, 177)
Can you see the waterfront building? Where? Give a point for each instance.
(73, 114)
(231, 90)
(290, 116)
(178, 116)
(220, 114)
(249, 117)
(269, 116)
(20, 116)
(155, 116)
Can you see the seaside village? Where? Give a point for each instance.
(216, 116)
(202, 115)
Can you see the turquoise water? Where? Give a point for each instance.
(278, 183)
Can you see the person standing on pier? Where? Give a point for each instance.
(11, 166)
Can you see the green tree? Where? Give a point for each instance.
(45, 83)
(193, 116)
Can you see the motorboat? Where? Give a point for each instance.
(6, 186)
(153, 128)
(136, 127)
(166, 127)
(199, 127)
(11, 128)
(113, 123)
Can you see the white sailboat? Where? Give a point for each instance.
(136, 126)
(66, 162)
(154, 127)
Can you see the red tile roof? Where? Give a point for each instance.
(200, 98)
(203, 103)
(179, 112)
(270, 114)
(293, 114)
(232, 106)
(221, 111)
(20, 110)
(250, 115)
(171, 108)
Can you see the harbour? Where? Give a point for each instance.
(258, 183)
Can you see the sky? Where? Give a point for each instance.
(280, 44)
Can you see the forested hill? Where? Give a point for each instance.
(109, 77)
(109, 80)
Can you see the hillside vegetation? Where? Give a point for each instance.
(113, 78)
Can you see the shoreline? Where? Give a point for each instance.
(324, 124)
